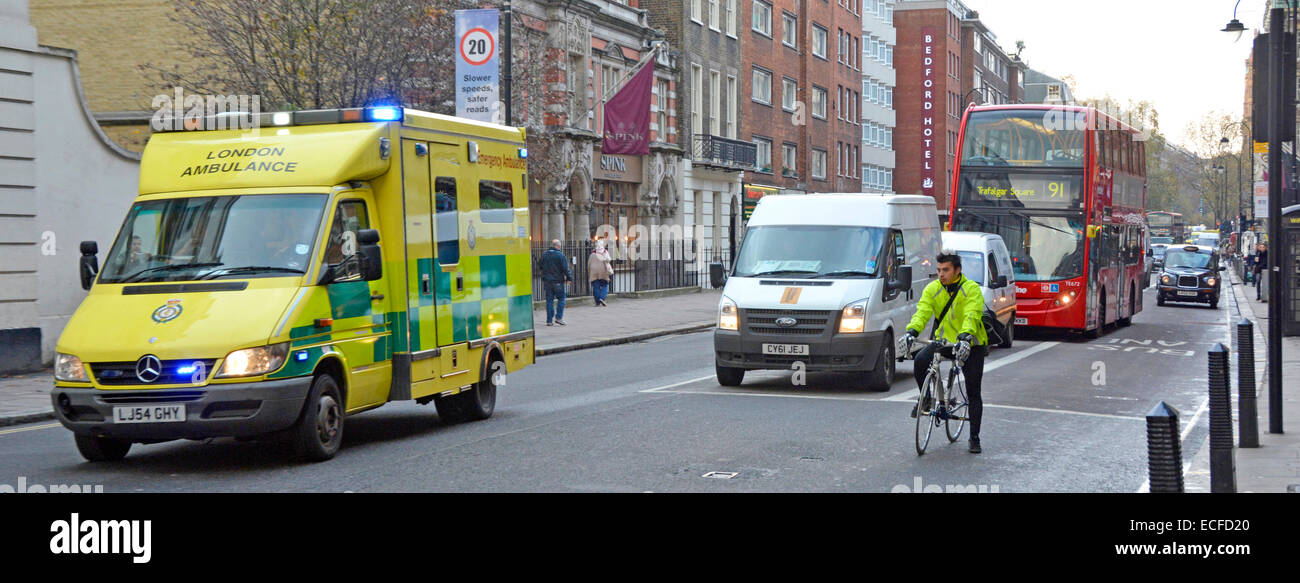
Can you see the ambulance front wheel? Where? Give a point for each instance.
(102, 449)
(319, 432)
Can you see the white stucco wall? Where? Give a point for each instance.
(62, 181)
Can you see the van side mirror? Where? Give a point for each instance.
(902, 278)
(372, 261)
(89, 264)
(717, 276)
(1002, 281)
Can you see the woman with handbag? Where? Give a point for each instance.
(600, 268)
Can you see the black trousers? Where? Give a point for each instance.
(972, 369)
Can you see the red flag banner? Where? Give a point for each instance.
(627, 116)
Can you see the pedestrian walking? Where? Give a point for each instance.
(600, 266)
(555, 273)
(1261, 264)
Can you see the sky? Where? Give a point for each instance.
(1170, 52)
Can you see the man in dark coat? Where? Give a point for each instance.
(555, 272)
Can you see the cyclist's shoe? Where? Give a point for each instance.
(925, 406)
(975, 445)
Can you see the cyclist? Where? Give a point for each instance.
(957, 305)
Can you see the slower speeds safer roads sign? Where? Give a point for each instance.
(477, 78)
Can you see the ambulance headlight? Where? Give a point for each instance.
(69, 368)
(853, 318)
(727, 317)
(253, 361)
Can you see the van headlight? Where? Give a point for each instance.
(853, 318)
(727, 318)
(253, 361)
(69, 368)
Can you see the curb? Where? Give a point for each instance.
(28, 417)
(587, 300)
(623, 340)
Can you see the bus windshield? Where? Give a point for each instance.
(1043, 247)
(1023, 138)
(807, 251)
(191, 238)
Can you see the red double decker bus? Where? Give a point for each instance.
(1065, 187)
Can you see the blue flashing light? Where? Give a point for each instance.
(187, 369)
(300, 356)
(523, 153)
(384, 113)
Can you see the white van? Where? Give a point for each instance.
(986, 261)
(827, 280)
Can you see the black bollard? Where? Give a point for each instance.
(1164, 451)
(1247, 413)
(1223, 473)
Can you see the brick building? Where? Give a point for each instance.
(928, 99)
(990, 75)
(803, 64)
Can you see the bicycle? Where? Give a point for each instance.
(950, 412)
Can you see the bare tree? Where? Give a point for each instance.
(307, 54)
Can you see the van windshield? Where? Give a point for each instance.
(806, 251)
(266, 235)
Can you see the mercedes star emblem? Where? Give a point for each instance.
(148, 368)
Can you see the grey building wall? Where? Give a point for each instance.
(62, 181)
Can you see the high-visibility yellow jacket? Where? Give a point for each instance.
(965, 316)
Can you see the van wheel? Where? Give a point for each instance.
(1009, 335)
(476, 404)
(729, 377)
(102, 449)
(882, 377)
(319, 432)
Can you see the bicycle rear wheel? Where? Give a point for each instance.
(924, 421)
(957, 404)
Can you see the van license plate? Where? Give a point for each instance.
(149, 414)
(1187, 293)
(786, 349)
(1022, 321)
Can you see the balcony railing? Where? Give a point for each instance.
(725, 152)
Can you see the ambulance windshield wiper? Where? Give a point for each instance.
(161, 268)
(246, 269)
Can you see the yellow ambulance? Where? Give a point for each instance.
(271, 282)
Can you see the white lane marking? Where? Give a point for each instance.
(657, 389)
(1205, 406)
(999, 363)
(32, 428)
(1038, 410)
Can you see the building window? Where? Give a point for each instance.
(789, 160)
(979, 43)
(889, 55)
(789, 91)
(819, 41)
(789, 29)
(730, 16)
(762, 17)
(732, 104)
(697, 99)
(819, 102)
(761, 91)
(697, 11)
(662, 115)
(764, 147)
(819, 164)
(715, 103)
(715, 18)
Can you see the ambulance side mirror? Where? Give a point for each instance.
(89, 263)
(372, 260)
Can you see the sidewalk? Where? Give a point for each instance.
(26, 398)
(1275, 465)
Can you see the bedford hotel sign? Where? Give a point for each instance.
(927, 111)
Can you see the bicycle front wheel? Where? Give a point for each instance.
(924, 421)
(957, 404)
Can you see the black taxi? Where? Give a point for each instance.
(1190, 273)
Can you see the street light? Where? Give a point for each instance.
(1235, 25)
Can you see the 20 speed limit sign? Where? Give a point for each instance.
(477, 46)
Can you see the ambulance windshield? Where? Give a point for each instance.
(184, 239)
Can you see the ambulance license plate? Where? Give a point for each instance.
(786, 349)
(149, 414)
(1022, 321)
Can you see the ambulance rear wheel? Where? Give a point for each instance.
(102, 449)
(319, 432)
(476, 404)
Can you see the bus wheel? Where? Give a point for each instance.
(1132, 297)
(1101, 318)
(320, 429)
(102, 449)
